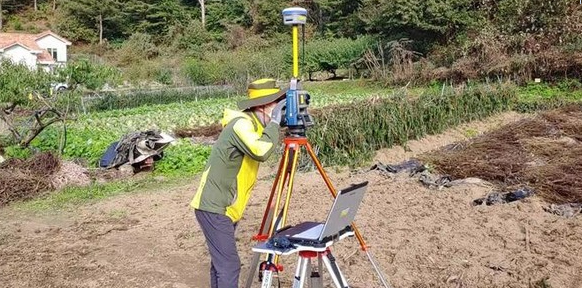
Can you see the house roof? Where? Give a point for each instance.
(49, 32)
(28, 41)
(17, 44)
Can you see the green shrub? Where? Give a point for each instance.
(529, 105)
(145, 71)
(247, 63)
(17, 82)
(89, 74)
(569, 85)
(548, 95)
(6, 140)
(138, 48)
(190, 36)
(239, 67)
(196, 72)
(164, 76)
(17, 25)
(332, 54)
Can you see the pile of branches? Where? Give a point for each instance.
(542, 152)
(24, 179)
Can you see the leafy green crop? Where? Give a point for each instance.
(183, 158)
(90, 134)
(375, 117)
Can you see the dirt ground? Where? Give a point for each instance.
(420, 237)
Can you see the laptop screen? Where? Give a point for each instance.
(343, 211)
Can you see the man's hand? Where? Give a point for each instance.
(277, 113)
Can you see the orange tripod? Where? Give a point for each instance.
(285, 177)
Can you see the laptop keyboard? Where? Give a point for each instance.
(312, 233)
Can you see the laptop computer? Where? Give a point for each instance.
(340, 216)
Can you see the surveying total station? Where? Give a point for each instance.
(297, 120)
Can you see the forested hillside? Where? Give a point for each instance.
(217, 41)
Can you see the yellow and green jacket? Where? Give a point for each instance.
(231, 170)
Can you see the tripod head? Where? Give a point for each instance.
(297, 119)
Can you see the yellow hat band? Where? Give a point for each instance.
(258, 93)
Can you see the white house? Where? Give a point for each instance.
(45, 50)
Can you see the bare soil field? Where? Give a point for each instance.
(420, 237)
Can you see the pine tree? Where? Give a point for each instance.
(94, 15)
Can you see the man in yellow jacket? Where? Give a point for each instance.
(248, 137)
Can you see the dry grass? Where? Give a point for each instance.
(542, 152)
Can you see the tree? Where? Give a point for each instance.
(202, 12)
(335, 17)
(221, 13)
(266, 15)
(423, 22)
(25, 88)
(30, 92)
(153, 18)
(341, 17)
(100, 16)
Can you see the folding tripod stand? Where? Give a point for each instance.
(304, 272)
(285, 176)
(304, 264)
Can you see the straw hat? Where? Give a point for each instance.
(261, 92)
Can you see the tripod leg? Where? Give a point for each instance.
(320, 269)
(320, 169)
(336, 275)
(380, 275)
(280, 185)
(267, 279)
(295, 151)
(253, 269)
(300, 272)
(356, 231)
(316, 277)
(333, 192)
(297, 276)
(267, 216)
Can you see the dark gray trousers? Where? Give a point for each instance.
(224, 261)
